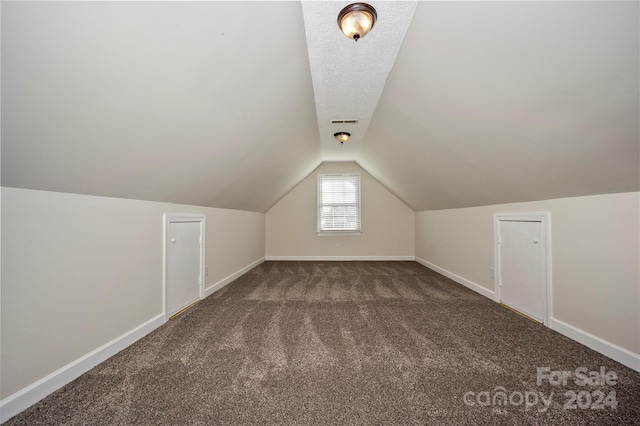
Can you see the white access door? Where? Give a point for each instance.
(522, 267)
(183, 267)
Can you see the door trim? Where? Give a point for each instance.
(545, 219)
(178, 218)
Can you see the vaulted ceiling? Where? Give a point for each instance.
(227, 104)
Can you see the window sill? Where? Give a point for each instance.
(339, 233)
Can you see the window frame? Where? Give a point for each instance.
(319, 204)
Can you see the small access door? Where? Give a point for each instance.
(184, 259)
(522, 264)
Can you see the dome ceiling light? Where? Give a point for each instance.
(342, 136)
(356, 20)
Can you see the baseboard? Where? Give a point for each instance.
(223, 282)
(611, 350)
(341, 258)
(457, 278)
(608, 349)
(33, 393)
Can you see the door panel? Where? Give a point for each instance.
(183, 265)
(522, 267)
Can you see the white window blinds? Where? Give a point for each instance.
(339, 203)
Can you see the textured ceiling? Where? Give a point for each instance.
(227, 104)
(348, 77)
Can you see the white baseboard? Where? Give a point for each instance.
(33, 393)
(457, 278)
(608, 349)
(223, 282)
(611, 350)
(341, 258)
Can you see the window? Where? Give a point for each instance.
(339, 203)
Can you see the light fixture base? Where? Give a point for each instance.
(356, 20)
(342, 137)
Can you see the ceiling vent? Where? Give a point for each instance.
(344, 121)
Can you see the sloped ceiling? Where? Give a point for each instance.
(196, 103)
(498, 102)
(214, 103)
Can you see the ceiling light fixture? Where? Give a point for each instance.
(342, 136)
(356, 20)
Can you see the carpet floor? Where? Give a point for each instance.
(347, 343)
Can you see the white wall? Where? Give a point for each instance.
(595, 244)
(79, 271)
(387, 223)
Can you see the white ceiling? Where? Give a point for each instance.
(227, 104)
(348, 76)
(498, 102)
(196, 103)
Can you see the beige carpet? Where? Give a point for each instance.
(345, 343)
